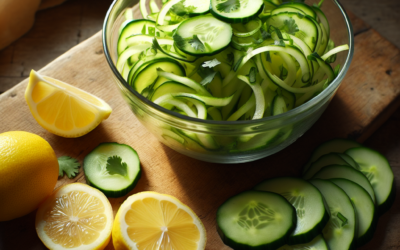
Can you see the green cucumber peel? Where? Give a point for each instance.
(184, 80)
(335, 51)
(259, 97)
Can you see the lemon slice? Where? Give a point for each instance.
(75, 216)
(63, 109)
(150, 220)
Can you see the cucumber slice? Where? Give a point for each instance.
(318, 243)
(256, 220)
(364, 207)
(308, 202)
(202, 35)
(201, 7)
(285, 9)
(340, 232)
(350, 161)
(134, 27)
(247, 29)
(191, 141)
(170, 87)
(308, 31)
(379, 173)
(323, 161)
(332, 146)
(148, 79)
(258, 141)
(346, 172)
(322, 18)
(112, 168)
(278, 105)
(300, 6)
(236, 11)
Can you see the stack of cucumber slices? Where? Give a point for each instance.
(227, 60)
(345, 187)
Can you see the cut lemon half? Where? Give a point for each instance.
(76, 216)
(63, 109)
(150, 220)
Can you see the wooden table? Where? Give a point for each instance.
(368, 96)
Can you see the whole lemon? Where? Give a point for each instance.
(28, 173)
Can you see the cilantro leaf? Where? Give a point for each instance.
(313, 56)
(207, 74)
(156, 46)
(290, 26)
(209, 78)
(68, 165)
(258, 41)
(189, 8)
(179, 41)
(211, 64)
(264, 34)
(228, 6)
(196, 43)
(116, 166)
(180, 9)
(278, 32)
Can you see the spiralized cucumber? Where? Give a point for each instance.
(246, 59)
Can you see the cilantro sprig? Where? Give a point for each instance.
(180, 9)
(196, 43)
(290, 26)
(228, 6)
(115, 165)
(179, 41)
(68, 165)
(211, 64)
(207, 74)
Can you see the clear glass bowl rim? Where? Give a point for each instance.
(284, 116)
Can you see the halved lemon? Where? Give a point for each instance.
(76, 216)
(149, 220)
(63, 109)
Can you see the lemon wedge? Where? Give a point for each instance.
(63, 109)
(150, 220)
(75, 216)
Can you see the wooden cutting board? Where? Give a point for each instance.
(367, 97)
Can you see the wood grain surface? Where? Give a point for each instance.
(367, 96)
(56, 30)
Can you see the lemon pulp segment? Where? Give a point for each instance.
(64, 109)
(75, 216)
(149, 220)
(74, 225)
(152, 223)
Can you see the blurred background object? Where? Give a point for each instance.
(18, 16)
(56, 30)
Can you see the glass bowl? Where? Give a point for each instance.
(223, 141)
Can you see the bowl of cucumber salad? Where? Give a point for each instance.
(228, 81)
